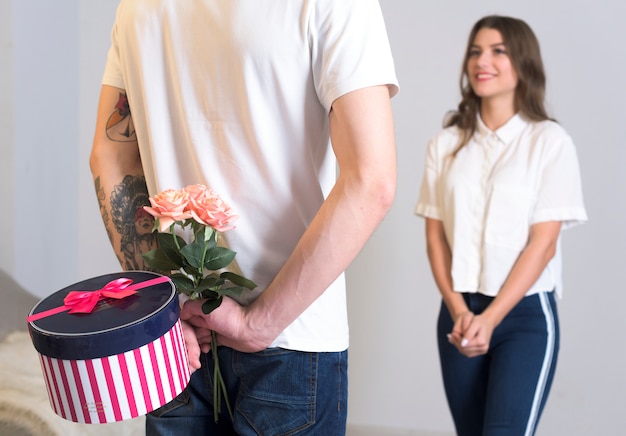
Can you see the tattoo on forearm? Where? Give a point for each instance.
(120, 127)
(132, 222)
(103, 210)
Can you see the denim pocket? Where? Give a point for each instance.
(278, 390)
(181, 400)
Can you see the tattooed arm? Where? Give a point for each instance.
(119, 180)
(122, 191)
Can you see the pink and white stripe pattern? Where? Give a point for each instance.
(118, 387)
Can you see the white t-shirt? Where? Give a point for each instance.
(236, 95)
(496, 187)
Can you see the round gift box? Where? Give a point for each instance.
(122, 360)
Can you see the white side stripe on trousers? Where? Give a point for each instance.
(547, 363)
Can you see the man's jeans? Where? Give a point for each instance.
(273, 392)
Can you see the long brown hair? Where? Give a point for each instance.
(523, 50)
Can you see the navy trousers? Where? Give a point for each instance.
(504, 391)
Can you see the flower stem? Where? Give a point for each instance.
(219, 387)
(204, 252)
(173, 233)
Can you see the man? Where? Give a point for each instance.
(260, 100)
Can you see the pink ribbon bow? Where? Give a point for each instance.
(85, 301)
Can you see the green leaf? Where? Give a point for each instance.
(234, 291)
(182, 283)
(193, 272)
(210, 281)
(203, 233)
(167, 242)
(194, 254)
(218, 258)
(159, 261)
(188, 292)
(211, 304)
(238, 280)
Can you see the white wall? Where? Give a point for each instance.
(45, 147)
(53, 235)
(96, 19)
(6, 133)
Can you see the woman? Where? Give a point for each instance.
(501, 182)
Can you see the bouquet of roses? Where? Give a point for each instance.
(197, 268)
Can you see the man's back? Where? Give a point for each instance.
(236, 95)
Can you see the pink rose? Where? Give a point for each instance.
(168, 207)
(197, 191)
(208, 208)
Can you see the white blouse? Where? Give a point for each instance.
(496, 187)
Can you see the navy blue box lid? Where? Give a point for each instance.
(113, 327)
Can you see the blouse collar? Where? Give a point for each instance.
(506, 133)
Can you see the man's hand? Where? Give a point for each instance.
(193, 348)
(230, 321)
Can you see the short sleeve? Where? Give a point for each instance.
(560, 196)
(112, 71)
(350, 48)
(427, 203)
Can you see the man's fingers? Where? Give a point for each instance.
(192, 345)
